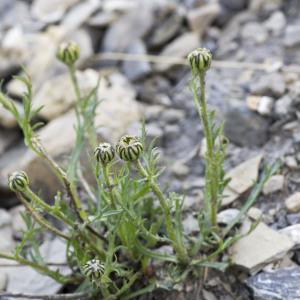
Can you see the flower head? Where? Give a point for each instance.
(93, 269)
(200, 59)
(129, 148)
(104, 153)
(18, 181)
(68, 53)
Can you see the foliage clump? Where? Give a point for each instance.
(112, 245)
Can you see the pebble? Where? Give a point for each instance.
(274, 184)
(292, 36)
(172, 131)
(5, 218)
(292, 203)
(3, 281)
(293, 232)
(293, 219)
(255, 32)
(180, 170)
(265, 106)
(227, 216)
(18, 224)
(153, 112)
(276, 22)
(257, 249)
(283, 105)
(190, 225)
(254, 213)
(172, 115)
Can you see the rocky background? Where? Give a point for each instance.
(254, 85)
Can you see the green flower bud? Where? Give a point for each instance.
(93, 270)
(200, 59)
(104, 153)
(18, 181)
(68, 53)
(129, 148)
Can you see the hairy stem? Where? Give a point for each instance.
(108, 184)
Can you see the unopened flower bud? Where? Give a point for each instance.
(200, 59)
(129, 148)
(93, 269)
(104, 153)
(18, 181)
(68, 53)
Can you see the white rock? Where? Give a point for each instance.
(283, 105)
(274, 184)
(7, 120)
(291, 162)
(292, 203)
(18, 224)
(227, 216)
(242, 178)
(253, 102)
(265, 106)
(190, 225)
(50, 11)
(254, 213)
(293, 232)
(201, 17)
(262, 246)
(3, 281)
(5, 218)
(276, 22)
(292, 36)
(255, 32)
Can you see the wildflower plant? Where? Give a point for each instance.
(112, 245)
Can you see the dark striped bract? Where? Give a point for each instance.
(129, 148)
(68, 53)
(104, 153)
(93, 269)
(200, 59)
(18, 181)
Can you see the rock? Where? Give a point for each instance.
(190, 225)
(166, 30)
(291, 162)
(179, 169)
(154, 132)
(265, 106)
(270, 84)
(102, 19)
(274, 184)
(27, 280)
(227, 216)
(172, 131)
(254, 32)
(292, 36)
(253, 102)
(6, 241)
(153, 112)
(280, 285)
(265, 6)
(293, 232)
(283, 106)
(7, 138)
(245, 128)
(5, 218)
(262, 246)
(51, 11)
(131, 26)
(254, 213)
(200, 18)
(242, 178)
(276, 23)
(293, 219)
(18, 224)
(172, 115)
(135, 70)
(180, 47)
(292, 203)
(3, 281)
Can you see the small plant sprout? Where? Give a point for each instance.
(113, 227)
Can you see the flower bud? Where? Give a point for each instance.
(68, 53)
(200, 59)
(18, 181)
(104, 153)
(93, 269)
(129, 148)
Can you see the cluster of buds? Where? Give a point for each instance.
(129, 148)
(200, 60)
(68, 53)
(18, 181)
(93, 270)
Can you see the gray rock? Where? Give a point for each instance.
(265, 6)
(136, 69)
(129, 27)
(280, 285)
(227, 216)
(3, 281)
(172, 131)
(190, 225)
(172, 115)
(292, 36)
(254, 32)
(5, 218)
(276, 23)
(7, 138)
(292, 203)
(180, 170)
(274, 184)
(18, 224)
(262, 246)
(102, 19)
(166, 30)
(269, 85)
(200, 18)
(293, 219)
(245, 128)
(283, 106)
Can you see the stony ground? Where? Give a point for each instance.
(259, 102)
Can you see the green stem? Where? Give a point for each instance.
(109, 185)
(178, 246)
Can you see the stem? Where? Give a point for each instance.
(177, 244)
(109, 185)
(39, 219)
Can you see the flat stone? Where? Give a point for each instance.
(292, 36)
(242, 179)
(293, 232)
(279, 285)
(292, 203)
(262, 246)
(180, 47)
(200, 18)
(274, 184)
(227, 216)
(254, 213)
(135, 70)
